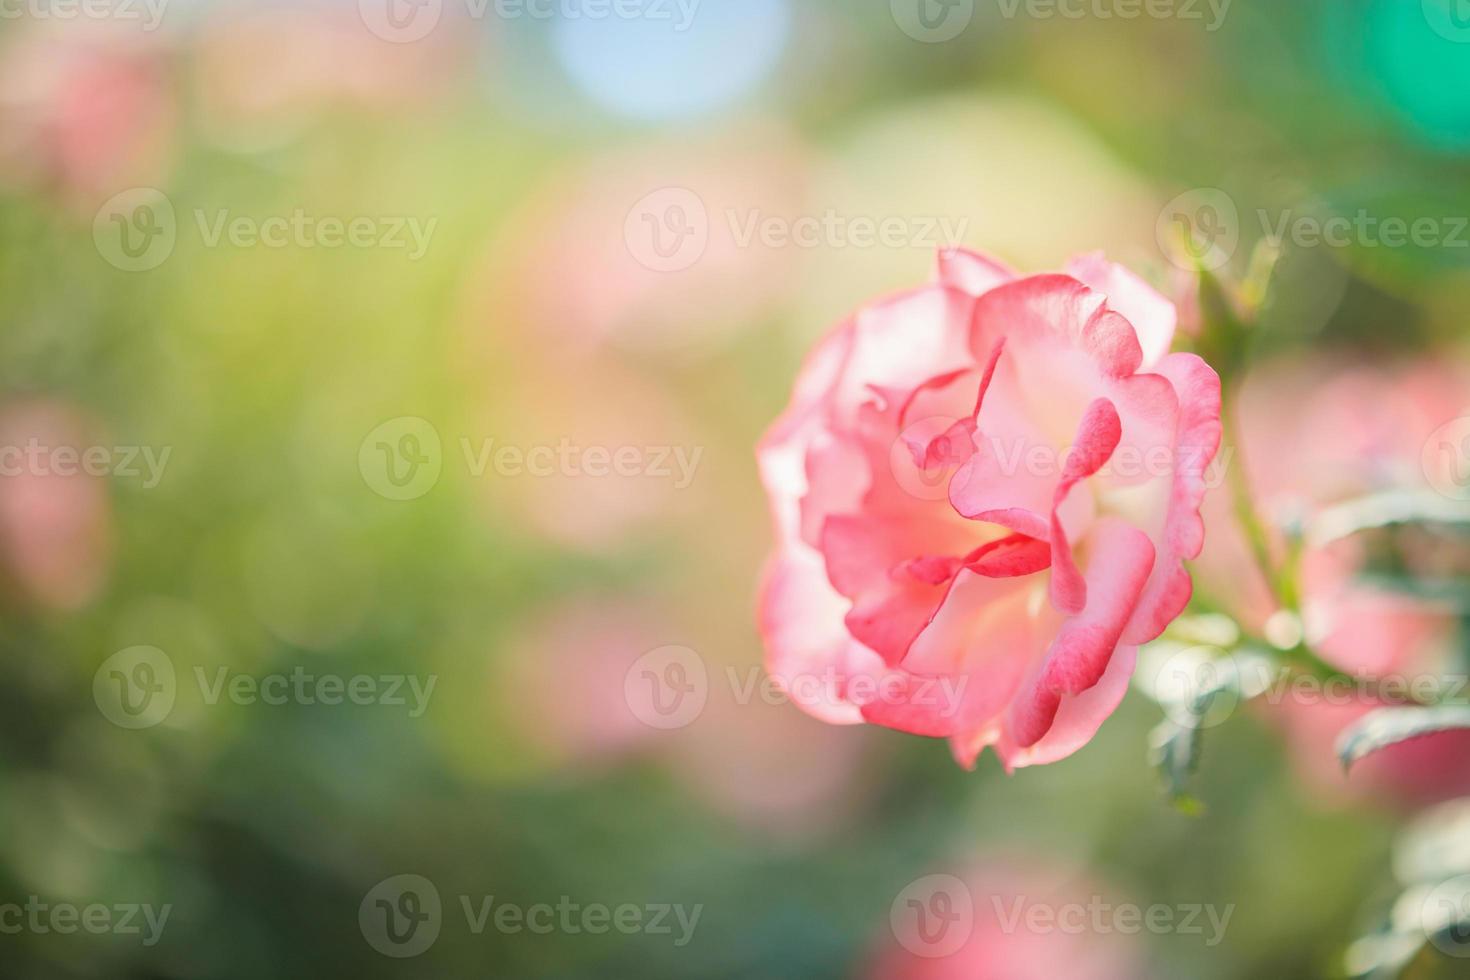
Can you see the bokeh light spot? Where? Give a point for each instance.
(687, 60)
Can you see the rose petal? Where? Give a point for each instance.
(1154, 318)
(969, 271)
(1097, 437)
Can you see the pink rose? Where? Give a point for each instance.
(946, 565)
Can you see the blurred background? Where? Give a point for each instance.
(379, 384)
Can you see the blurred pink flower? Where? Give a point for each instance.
(584, 453)
(933, 560)
(263, 76)
(1370, 633)
(1378, 419)
(767, 766)
(87, 112)
(1009, 921)
(1314, 435)
(648, 250)
(562, 678)
(55, 520)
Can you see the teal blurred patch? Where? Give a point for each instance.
(1420, 52)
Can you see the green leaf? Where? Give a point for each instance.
(1174, 751)
(1198, 687)
(1443, 591)
(1428, 924)
(1387, 509)
(1383, 955)
(1390, 726)
(1435, 844)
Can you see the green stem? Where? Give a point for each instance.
(1284, 593)
(1305, 659)
(1282, 581)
